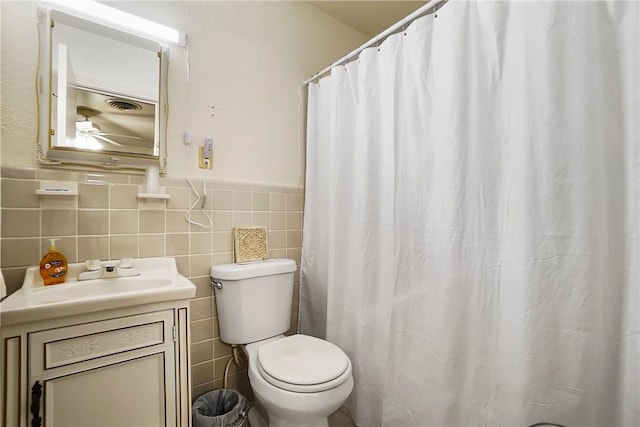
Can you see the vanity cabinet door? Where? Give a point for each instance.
(118, 372)
(128, 393)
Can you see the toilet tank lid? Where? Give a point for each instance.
(246, 270)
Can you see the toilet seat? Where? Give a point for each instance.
(303, 364)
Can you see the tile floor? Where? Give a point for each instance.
(341, 418)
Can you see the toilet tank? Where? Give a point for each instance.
(254, 301)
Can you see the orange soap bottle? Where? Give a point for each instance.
(53, 266)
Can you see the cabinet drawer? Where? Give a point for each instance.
(80, 343)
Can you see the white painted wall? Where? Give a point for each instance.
(246, 64)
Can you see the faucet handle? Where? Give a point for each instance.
(125, 263)
(93, 264)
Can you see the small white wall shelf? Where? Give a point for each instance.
(159, 196)
(58, 189)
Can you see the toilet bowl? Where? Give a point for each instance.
(300, 380)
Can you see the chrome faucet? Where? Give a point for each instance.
(107, 269)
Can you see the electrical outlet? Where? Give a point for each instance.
(201, 160)
(208, 147)
(202, 164)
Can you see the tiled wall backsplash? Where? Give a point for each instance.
(108, 221)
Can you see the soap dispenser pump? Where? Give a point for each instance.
(53, 266)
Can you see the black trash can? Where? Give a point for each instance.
(219, 408)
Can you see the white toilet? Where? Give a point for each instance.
(299, 380)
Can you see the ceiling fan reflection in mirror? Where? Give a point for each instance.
(89, 135)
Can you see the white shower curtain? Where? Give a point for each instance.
(471, 217)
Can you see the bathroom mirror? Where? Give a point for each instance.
(102, 95)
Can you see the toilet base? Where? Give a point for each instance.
(284, 423)
(258, 415)
(278, 416)
(258, 418)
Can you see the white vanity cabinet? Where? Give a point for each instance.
(121, 367)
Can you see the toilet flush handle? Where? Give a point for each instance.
(218, 285)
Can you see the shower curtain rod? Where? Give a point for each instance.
(430, 7)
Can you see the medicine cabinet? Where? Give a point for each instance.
(102, 95)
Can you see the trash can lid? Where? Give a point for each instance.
(303, 363)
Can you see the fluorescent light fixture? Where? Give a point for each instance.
(115, 18)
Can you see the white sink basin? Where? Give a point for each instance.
(158, 281)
